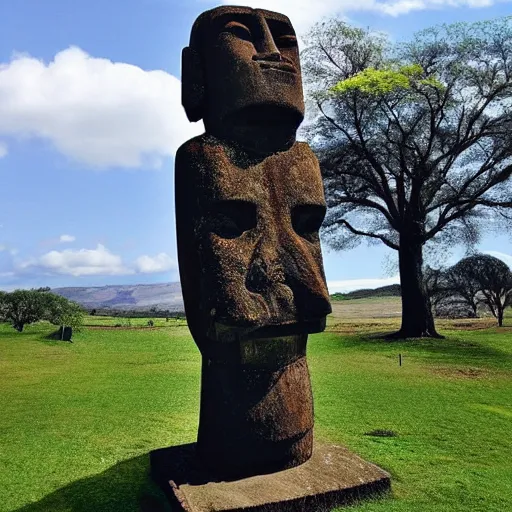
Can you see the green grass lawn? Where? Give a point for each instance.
(77, 421)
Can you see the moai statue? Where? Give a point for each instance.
(249, 204)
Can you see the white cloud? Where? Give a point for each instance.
(398, 7)
(358, 284)
(303, 13)
(3, 149)
(160, 263)
(67, 238)
(82, 262)
(507, 258)
(92, 262)
(95, 111)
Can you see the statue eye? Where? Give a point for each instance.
(286, 41)
(307, 219)
(239, 30)
(230, 219)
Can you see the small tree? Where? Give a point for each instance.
(22, 307)
(493, 279)
(63, 312)
(462, 286)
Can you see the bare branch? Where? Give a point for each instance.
(355, 231)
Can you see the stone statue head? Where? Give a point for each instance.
(241, 75)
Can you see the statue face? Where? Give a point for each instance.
(252, 77)
(255, 229)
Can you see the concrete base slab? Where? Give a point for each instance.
(333, 476)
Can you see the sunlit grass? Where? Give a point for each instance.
(77, 421)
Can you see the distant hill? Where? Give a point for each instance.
(167, 296)
(139, 297)
(392, 290)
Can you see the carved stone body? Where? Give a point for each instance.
(249, 204)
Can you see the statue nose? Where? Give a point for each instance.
(287, 264)
(263, 274)
(266, 46)
(311, 297)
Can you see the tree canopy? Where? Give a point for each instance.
(493, 279)
(414, 141)
(23, 307)
(479, 279)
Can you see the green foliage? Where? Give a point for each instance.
(24, 307)
(374, 81)
(384, 81)
(338, 296)
(61, 311)
(123, 322)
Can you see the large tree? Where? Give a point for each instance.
(414, 141)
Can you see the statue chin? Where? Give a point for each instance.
(261, 129)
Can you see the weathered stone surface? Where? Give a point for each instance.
(255, 420)
(248, 244)
(251, 269)
(333, 476)
(66, 335)
(241, 75)
(249, 204)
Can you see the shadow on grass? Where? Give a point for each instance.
(125, 487)
(452, 346)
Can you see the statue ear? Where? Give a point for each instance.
(192, 84)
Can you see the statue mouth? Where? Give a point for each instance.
(229, 333)
(278, 66)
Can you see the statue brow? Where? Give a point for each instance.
(233, 16)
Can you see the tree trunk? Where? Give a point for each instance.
(417, 318)
(500, 316)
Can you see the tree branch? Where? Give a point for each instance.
(370, 235)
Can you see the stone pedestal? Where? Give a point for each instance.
(333, 476)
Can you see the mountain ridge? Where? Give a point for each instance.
(167, 296)
(136, 297)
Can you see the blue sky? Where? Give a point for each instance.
(90, 118)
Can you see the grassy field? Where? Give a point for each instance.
(77, 421)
